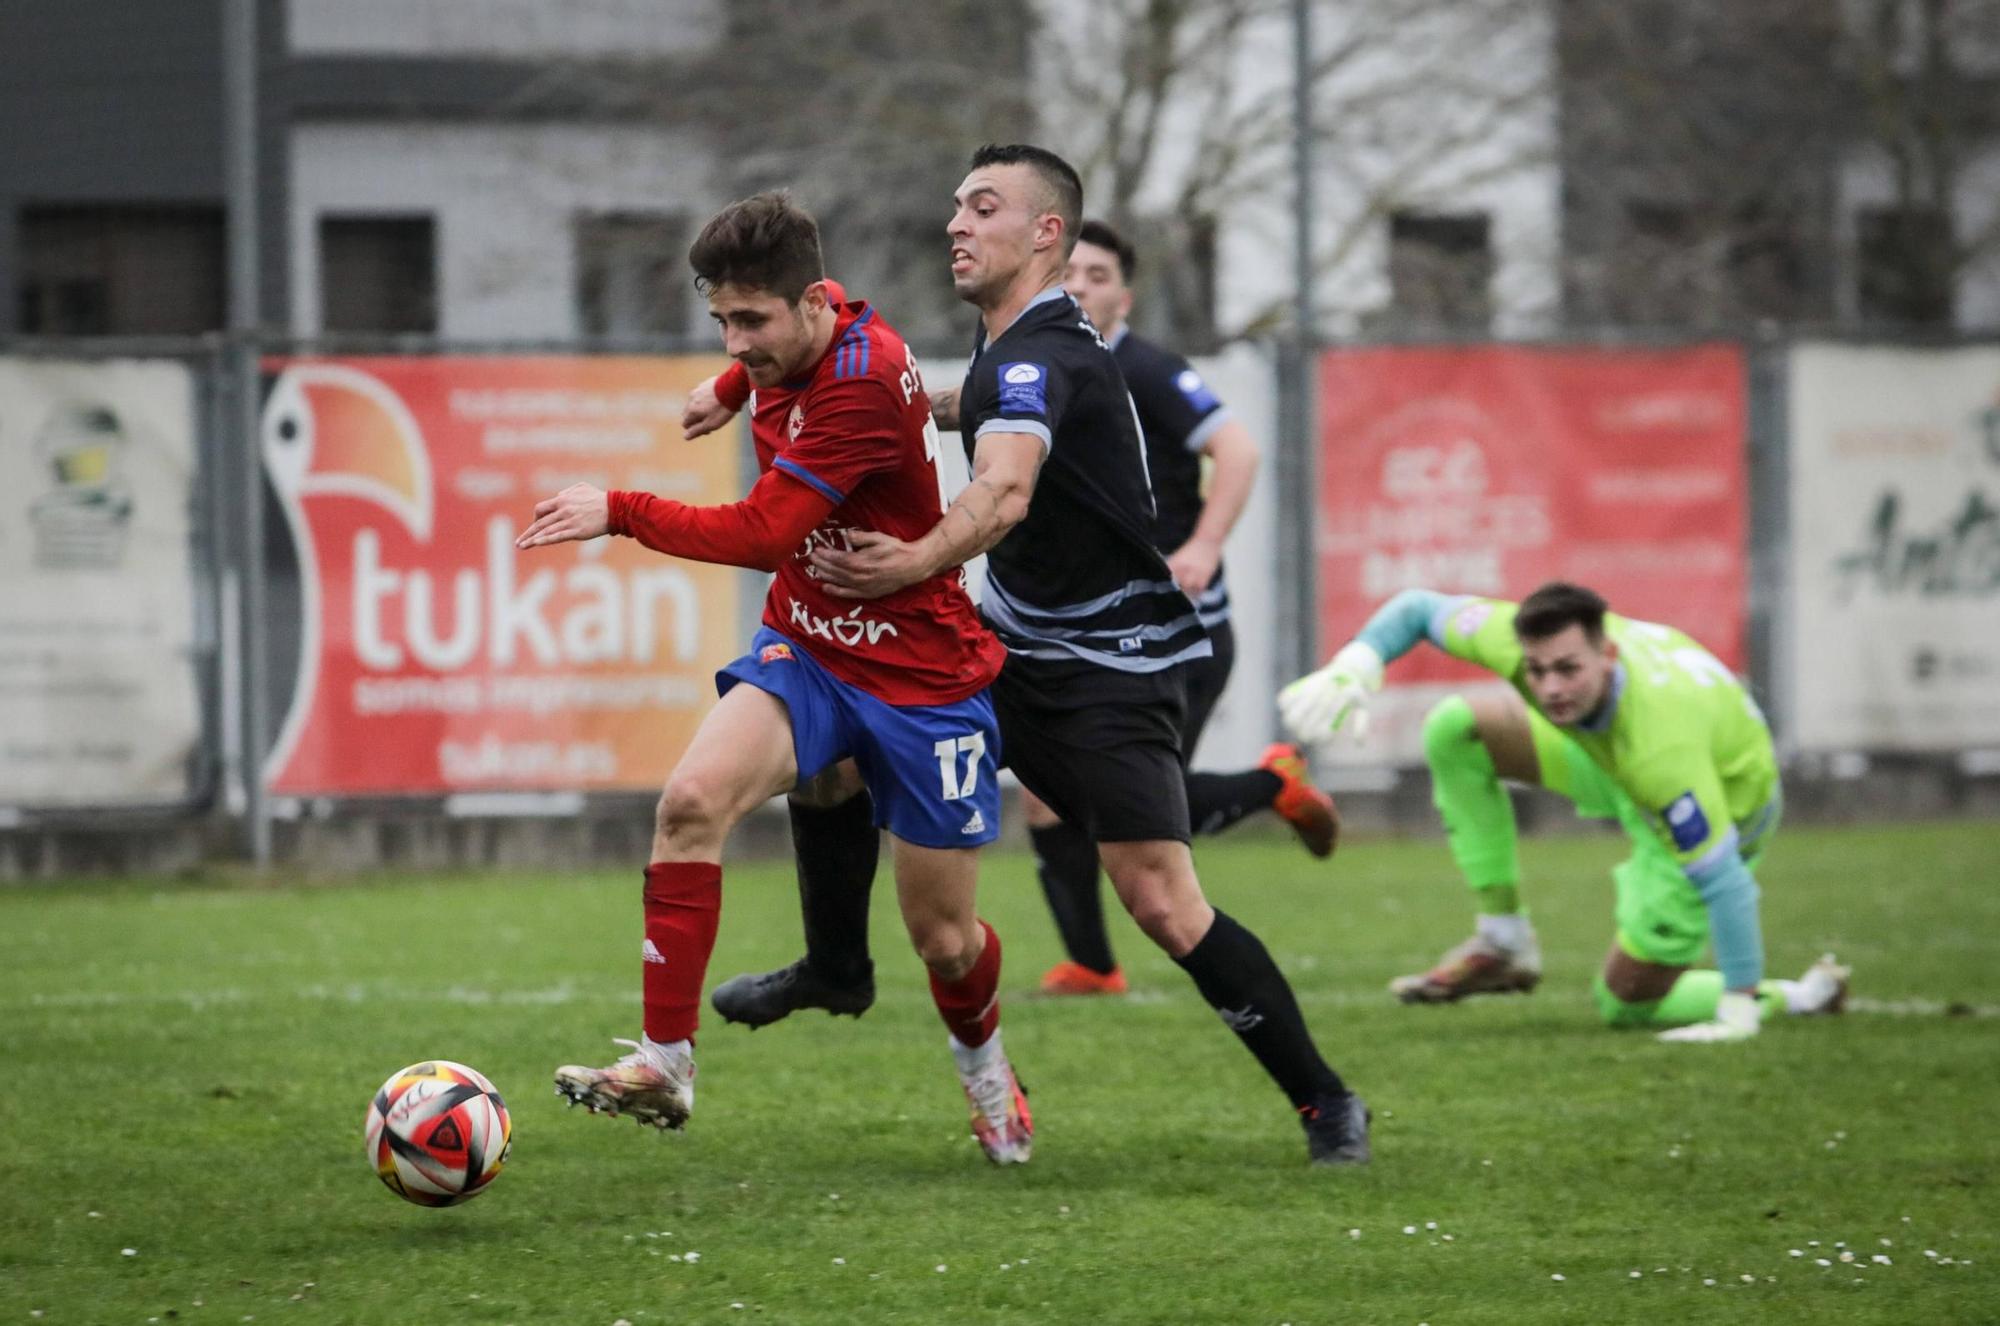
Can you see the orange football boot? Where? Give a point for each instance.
(1073, 978)
(1306, 808)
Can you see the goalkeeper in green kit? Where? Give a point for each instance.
(1630, 721)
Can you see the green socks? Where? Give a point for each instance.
(1478, 815)
(1693, 999)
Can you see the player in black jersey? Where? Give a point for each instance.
(1090, 702)
(1182, 421)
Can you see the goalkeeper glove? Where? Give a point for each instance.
(1335, 698)
(1737, 1018)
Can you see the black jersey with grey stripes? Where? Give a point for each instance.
(1177, 415)
(1079, 577)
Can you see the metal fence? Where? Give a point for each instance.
(1851, 488)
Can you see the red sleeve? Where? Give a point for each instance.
(853, 428)
(759, 532)
(732, 386)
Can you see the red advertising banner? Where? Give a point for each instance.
(434, 656)
(1492, 469)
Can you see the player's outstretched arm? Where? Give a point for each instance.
(577, 513)
(1334, 699)
(1004, 469)
(759, 532)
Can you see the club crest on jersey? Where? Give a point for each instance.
(1024, 389)
(774, 654)
(797, 423)
(1686, 822)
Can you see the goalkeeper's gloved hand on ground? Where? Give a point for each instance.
(1335, 698)
(1737, 1018)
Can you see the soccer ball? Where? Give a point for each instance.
(438, 1133)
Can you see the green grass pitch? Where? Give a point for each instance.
(184, 1069)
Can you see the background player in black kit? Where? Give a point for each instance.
(1182, 422)
(1089, 701)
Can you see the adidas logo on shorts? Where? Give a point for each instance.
(977, 824)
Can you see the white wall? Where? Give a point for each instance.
(503, 27)
(505, 197)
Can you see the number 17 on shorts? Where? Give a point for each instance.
(958, 760)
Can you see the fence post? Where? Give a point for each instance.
(239, 65)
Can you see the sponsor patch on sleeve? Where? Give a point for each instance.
(1686, 822)
(1468, 619)
(774, 653)
(1199, 397)
(1024, 389)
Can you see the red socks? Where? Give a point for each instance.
(683, 909)
(971, 1007)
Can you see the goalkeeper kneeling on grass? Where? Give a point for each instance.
(1630, 721)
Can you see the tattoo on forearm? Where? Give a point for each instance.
(979, 504)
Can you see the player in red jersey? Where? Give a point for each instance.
(836, 847)
(892, 692)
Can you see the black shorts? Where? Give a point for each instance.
(1204, 679)
(1101, 747)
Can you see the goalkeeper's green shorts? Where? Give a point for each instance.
(1660, 916)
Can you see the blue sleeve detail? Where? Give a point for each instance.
(1199, 398)
(810, 480)
(1686, 822)
(1400, 623)
(1729, 891)
(1024, 389)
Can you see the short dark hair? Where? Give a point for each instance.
(1104, 237)
(766, 242)
(1064, 186)
(1556, 607)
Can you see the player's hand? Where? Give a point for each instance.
(1736, 1019)
(703, 414)
(1193, 565)
(1334, 699)
(577, 512)
(874, 565)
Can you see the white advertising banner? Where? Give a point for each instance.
(1895, 548)
(98, 701)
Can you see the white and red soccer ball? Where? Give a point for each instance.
(438, 1133)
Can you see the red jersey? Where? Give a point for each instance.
(857, 429)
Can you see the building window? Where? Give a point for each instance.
(378, 274)
(1905, 257)
(1441, 271)
(632, 277)
(120, 270)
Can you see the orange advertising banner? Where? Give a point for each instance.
(1492, 469)
(435, 657)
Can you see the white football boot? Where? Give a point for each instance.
(1822, 990)
(1000, 1117)
(654, 1084)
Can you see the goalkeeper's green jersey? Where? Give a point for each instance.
(1679, 734)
